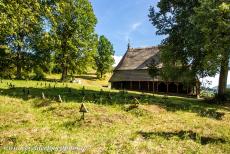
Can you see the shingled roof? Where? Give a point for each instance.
(138, 58)
(134, 64)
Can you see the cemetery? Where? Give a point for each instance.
(105, 120)
(108, 77)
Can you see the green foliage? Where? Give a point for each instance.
(18, 22)
(44, 34)
(104, 56)
(154, 71)
(182, 49)
(212, 18)
(197, 36)
(39, 74)
(171, 73)
(6, 67)
(73, 25)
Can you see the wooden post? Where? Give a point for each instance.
(167, 86)
(153, 87)
(157, 87)
(177, 88)
(148, 85)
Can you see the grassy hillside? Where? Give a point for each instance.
(113, 125)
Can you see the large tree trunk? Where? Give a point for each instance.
(18, 64)
(19, 71)
(101, 75)
(198, 88)
(64, 73)
(223, 76)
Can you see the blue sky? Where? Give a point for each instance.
(124, 20)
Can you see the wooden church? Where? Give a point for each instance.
(132, 74)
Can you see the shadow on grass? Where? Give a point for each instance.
(110, 98)
(183, 135)
(86, 77)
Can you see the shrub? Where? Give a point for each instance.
(39, 74)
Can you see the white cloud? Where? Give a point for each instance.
(117, 60)
(132, 28)
(135, 26)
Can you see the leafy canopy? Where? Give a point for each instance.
(104, 56)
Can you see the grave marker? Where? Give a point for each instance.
(59, 99)
(83, 110)
(43, 96)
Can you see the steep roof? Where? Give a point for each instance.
(132, 75)
(139, 58)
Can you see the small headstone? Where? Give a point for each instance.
(43, 96)
(83, 99)
(59, 99)
(83, 110)
(136, 101)
(101, 100)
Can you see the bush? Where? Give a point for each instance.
(39, 74)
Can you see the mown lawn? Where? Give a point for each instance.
(113, 125)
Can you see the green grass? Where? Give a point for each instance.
(113, 125)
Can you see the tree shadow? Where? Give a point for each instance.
(114, 97)
(201, 108)
(183, 135)
(87, 77)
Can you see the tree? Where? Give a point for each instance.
(184, 46)
(19, 20)
(41, 54)
(213, 19)
(73, 23)
(104, 56)
(6, 67)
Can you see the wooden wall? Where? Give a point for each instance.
(156, 86)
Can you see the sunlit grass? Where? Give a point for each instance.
(157, 125)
